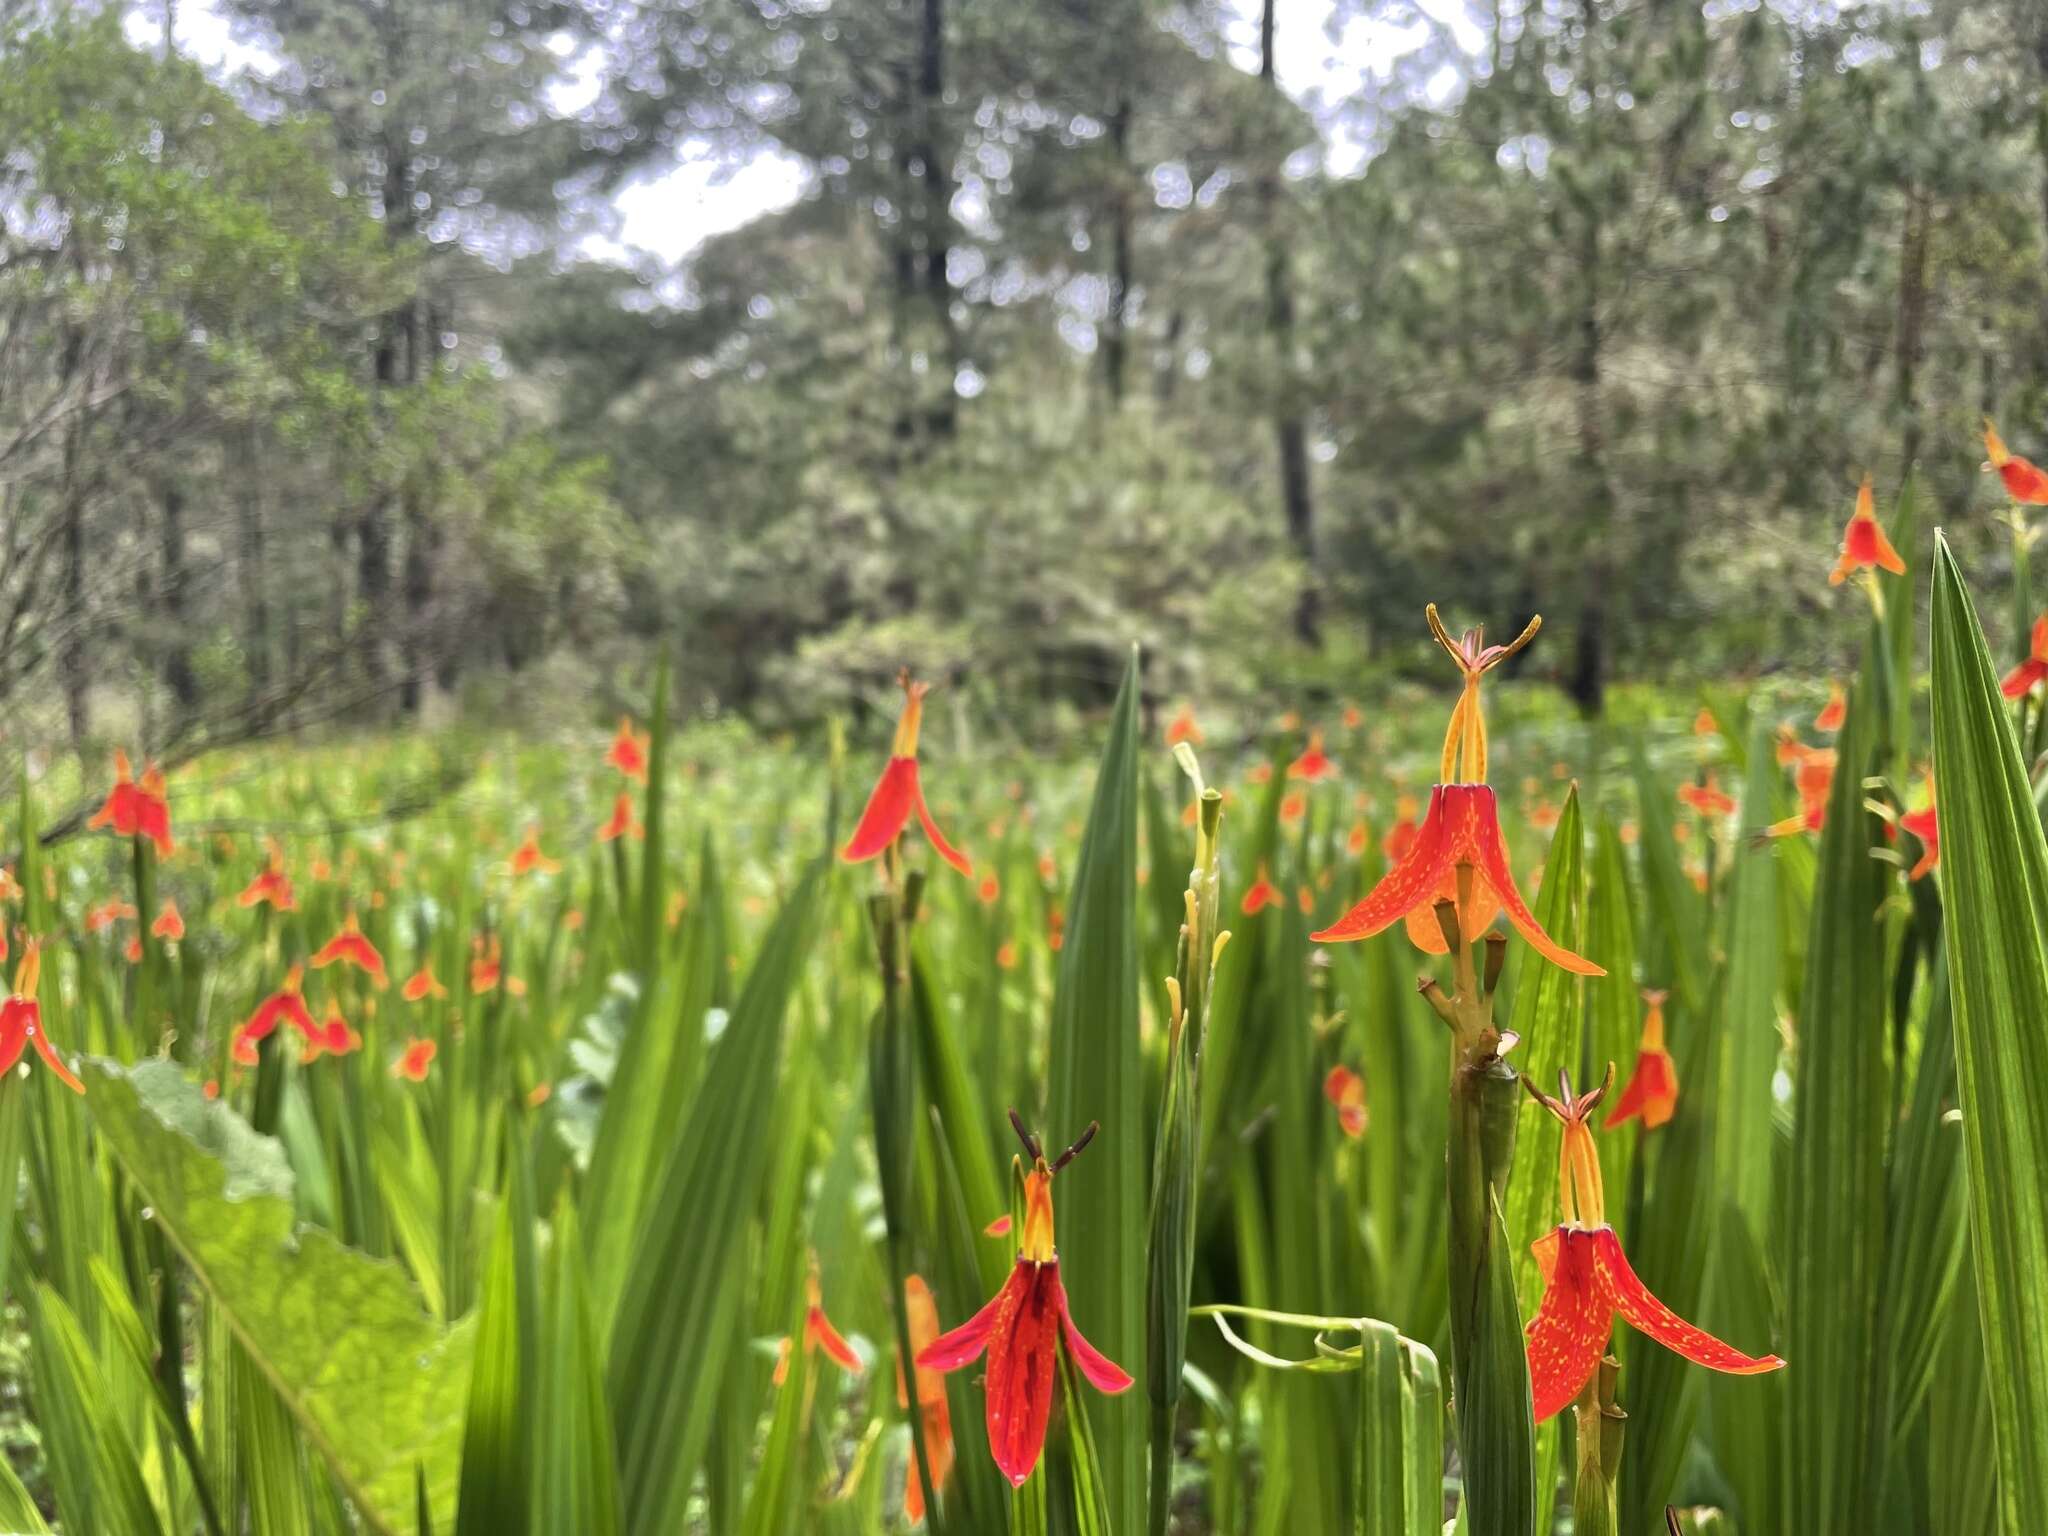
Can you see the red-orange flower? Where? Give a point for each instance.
(1814, 776)
(898, 792)
(1923, 825)
(1314, 764)
(527, 858)
(1708, 799)
(1400, 839)
(2024, 481)
(1262, 894)
(353, 947)
(422, 984)
(169, 924)
(272, 884)
(334, 1037)
(1704, 723)
(284, 1006)
(1023, 1328)
(135, 809)
(1863, 542)
(1834, 712)
(414, 1061)
(628, 751)
(934, 1417)
(1587, 1279)
(623, 822)
(106, 914)
(2031, 671)
(818, 1333)
(1183, 728)
(1345, 1089)
(21, 1020)
(486, 964)
(1460, 828)
(1652, 1091)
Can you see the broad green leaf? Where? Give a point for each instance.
(373, 1382)
(1835, 1231)
(493, 1494)
(1096, 1074)
(674, 1327)
(1994, 884)
(1400, 1437)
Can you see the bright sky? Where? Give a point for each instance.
(1321, 63)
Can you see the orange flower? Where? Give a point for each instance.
(134, 949)
(988, 890)
(898, 792)
(1259, 773)
(137, 809)
(1922, 824)
(1863, 542)
(106, 914)
(272, 885)
(169, 924)
(1346, 1090)
(1652, 1091)
(1055, 928)
(1000, 1227)
(623, 822)
(1314, 764)
(1704, 723)
(1400, 839)
(1461, 828)
(421, 984)
(628, 751)
(2023, 677)
(1356, 839)
(285, 1005)
(1024, 1327)
(1814, 777)
(486, 964)
(818, 1333)
(934, 1417)
(1707, 799)
(1587, 1279)
(1262, 894)
(2024, 482)
(1183, 728)
(1353, 717)
(1293, 807)
(527, 858)
(333, 1036)
(539, 1094)
(353, 946)
(21, 1020)
(1834, 712)
(414, 1061)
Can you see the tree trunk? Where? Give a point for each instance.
(1116, 324)
(1290, 432)
(1912, 325)
(72, 661)
(251, 554)
(176, 592)
(1588, 685)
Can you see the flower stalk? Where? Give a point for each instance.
(1170, 1246)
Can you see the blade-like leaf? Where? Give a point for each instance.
(1994, 883)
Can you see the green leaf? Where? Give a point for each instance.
(1994, 885)
(674, 1329)
(373, 1382)
(1400, 1436)
(1096, 1074)
(494, 1450)
(1614, 1011)
(93, 1462)
(1835, 1232)
(577, 1485)
(1749, 1004)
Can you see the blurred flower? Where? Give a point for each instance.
(628, 751)
(528, 859)
(1923, 825)
(1183, 728)
(2024, 482)
(934, 1417)
(169, 924)
(137, 809)
(1345, 1089)
(1652, 1091)
(414, 1061)
(898, 792)
(818, 1332)
(284, 1006)
(1314, 764)
(623, 822)
(2031, 671)
(421, 984)
(1707, 799)
(21, 1020)
(1834, 712)
(351, 946)
(1262, 894)
(272, 885)
(1863, 542)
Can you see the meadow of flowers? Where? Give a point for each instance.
(670, 1131)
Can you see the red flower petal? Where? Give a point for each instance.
(1023, 1359)
(829, 1339)
(933, 835)
(1646, 1314)
(1570, 1328)
(963, 1346)
(1476, 802)
(888, 811)
(1103, 1373)
(1410, 883)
